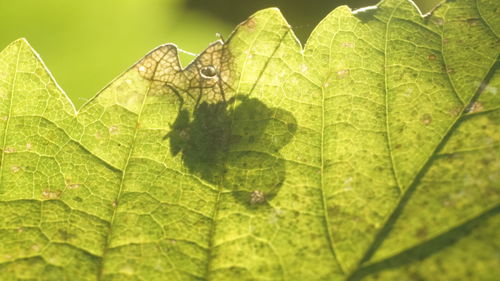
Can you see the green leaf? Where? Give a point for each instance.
(373, 153)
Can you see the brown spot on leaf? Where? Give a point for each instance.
(35, 248)
(439, 21)
(431, 57)
(472, 22)
(113, 130)
(15, 169)
(47, 194)
(333, 211)
(422, 232)
(73, 186)
(65, 235)
(257, 197)
(342, 73)
(426, 119)
(455, 111)
(475, 107)
(348, 45)
(249, 23)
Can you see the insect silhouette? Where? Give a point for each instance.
(225, 138)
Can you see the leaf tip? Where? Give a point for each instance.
(18, 42)
(272, 12)
(21, 40)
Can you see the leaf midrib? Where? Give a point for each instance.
(211, 235)
(124, 172)
(386, 98)
(9, 114)
(486, 23)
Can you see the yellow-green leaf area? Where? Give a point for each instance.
(370, 153)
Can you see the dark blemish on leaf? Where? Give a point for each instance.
(65, 235)
(450, 70)
(334, 210)
(422, 233)
(439, 21)
(472, 22)
(114, 204)
(426, 119)
(446, 41)
(415, 276)
(78, 199)
(431, 57)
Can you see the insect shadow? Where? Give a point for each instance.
(235, 145)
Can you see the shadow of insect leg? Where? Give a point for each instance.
(173, 126)
(176, 92)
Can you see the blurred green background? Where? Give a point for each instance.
(86, 44)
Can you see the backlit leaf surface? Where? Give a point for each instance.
(371, 153)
